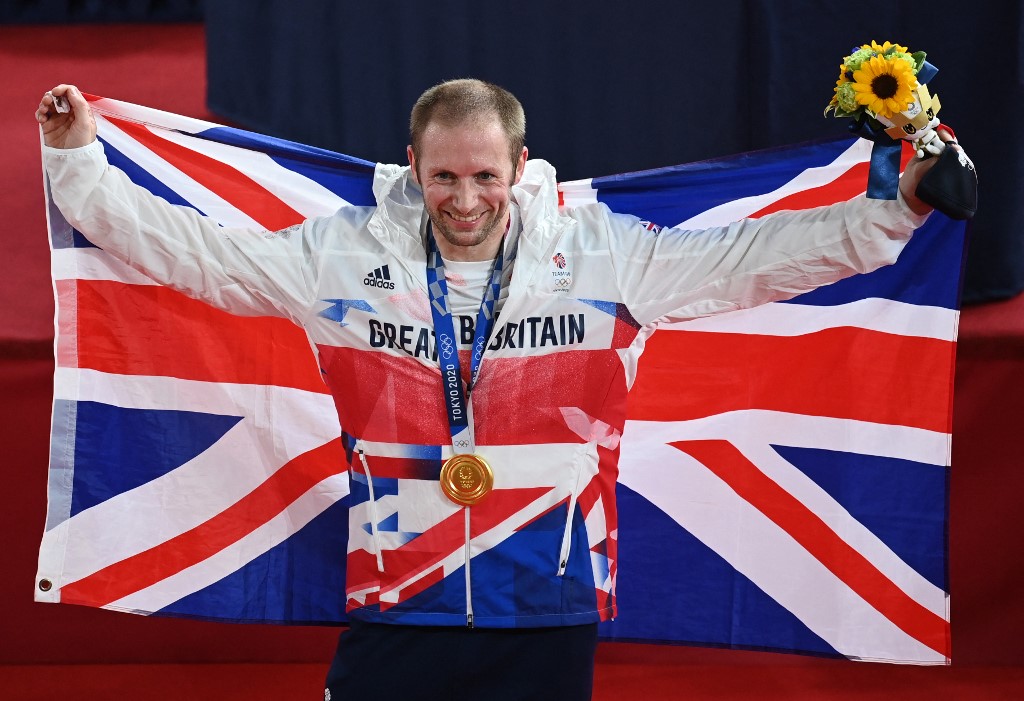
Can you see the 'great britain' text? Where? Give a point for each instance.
(531, 332)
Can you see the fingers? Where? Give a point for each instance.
(73, 95)
(65, 118)
(61, 99)
(43, 111)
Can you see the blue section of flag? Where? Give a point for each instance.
(347, 177)
(118, 449)
(79, 240)
(660, 561)
(895, 499)
(316, 590)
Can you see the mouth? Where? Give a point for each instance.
(470, 219)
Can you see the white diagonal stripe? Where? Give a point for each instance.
(788, 319)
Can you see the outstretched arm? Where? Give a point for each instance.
(241, 271)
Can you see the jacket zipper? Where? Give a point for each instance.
(563, 553)
(469, 582)
(373, 512)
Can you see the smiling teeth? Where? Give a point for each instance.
(456, 217)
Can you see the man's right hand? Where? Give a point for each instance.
(69, 129)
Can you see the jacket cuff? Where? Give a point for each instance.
(91, 149)
(913, 218)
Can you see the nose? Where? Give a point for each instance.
(465, 196)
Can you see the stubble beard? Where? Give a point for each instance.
(459, 239)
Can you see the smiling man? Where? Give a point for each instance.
(480, 371)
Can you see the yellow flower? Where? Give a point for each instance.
(884, 87)
(842, 76)
(884, 47)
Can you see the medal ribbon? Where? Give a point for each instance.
(455, 395)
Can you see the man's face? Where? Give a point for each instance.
(466, 176)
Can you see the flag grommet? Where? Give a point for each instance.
(45, 585)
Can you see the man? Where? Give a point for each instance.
(482, 547)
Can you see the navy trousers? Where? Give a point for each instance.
(385, 662)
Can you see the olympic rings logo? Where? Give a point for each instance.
(446, 346)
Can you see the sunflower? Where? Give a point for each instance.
(884, 47)
(884, 86)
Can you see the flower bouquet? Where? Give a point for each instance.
(882, 87)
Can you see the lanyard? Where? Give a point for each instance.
(455, 395)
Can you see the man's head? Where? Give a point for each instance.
(466, 154)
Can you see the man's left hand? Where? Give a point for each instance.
(915, 171)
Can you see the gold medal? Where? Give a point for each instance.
(466, 478)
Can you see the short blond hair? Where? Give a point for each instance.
(457, 101)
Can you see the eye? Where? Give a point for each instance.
(444, 177)
(486, 176)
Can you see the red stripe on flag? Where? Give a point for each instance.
(255, 509)
(153, 330)
(230, 184)
(848, 373)
(850, 184)
(807, 528)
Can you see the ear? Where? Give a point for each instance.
(521, 165)
(412, 163)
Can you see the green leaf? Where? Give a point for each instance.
(918, 57)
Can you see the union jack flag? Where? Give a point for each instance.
(783, 473)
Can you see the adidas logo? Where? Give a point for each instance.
(379, 277)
